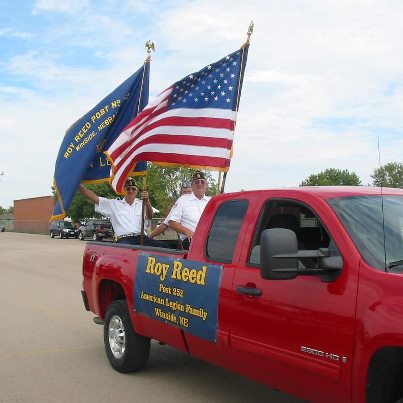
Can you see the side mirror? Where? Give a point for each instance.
(280, 257)
(278, 241)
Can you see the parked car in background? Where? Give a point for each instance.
(62, 229)
(2, 228)
(96, 229)
(77, 226)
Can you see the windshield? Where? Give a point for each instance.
(362, 217)
(67, 224)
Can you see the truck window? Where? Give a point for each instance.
(375, 225)
(225, 229)
(297, 217)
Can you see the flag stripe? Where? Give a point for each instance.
(179, 159)
(209, 117)
(174, 140)
(131, 132)
(169, 153)
(147, 115)
(174, 134)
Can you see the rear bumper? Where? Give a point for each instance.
(85, 300)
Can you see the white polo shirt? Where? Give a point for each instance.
(125, 218)
(187, 211)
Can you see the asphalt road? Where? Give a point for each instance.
(51, 351)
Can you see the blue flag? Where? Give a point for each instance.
(81, 157)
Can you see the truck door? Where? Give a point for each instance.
(297, 334)
(217, 244)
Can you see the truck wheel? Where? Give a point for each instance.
(80, 236)
(127, 351)
(52, 235)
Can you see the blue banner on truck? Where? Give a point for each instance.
(181, 292)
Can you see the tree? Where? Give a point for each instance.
(389, 175)
(332, 177)
(163, 185)
(9, 210)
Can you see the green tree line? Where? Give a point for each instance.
(388, 175)
(9, 210)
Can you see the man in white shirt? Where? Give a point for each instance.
(186, 188)
(186, 212)
(125, 214)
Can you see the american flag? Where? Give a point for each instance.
(190, 123)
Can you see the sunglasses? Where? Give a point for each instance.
(199, 182)
(131, 188)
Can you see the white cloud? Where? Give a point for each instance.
(64, 7)
(8, 32)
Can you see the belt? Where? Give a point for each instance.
(131, 235)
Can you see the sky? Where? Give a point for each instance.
(323, 81)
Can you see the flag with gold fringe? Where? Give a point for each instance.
(81, 157)
(191, 123)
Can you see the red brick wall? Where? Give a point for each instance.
(32, 215)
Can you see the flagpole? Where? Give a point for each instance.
(150, 48)
(143, 208)
(249, 33)
(219, 182)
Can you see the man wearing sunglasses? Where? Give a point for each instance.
(186, 212)
(186, 188)
(125, 214)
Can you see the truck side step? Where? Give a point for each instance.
(98, 321)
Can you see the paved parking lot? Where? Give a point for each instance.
(51, 351)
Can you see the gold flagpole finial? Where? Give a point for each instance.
(250, 31)
(150, 48)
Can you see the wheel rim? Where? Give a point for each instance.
(117, 336)
(94, 237)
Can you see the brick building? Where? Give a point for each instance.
(32, 215)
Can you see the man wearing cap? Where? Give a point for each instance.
(125, 214)
(186, 189)
(186, 212)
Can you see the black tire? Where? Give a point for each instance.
(80, 236)
(52, 235)
(60, 235)
(127, 351)
(95, 237)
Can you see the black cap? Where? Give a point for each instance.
(130, 182)
(186, 184)
(198, 175)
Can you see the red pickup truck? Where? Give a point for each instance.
(301, 289)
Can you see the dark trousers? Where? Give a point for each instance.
(135, 240)
(185, 244)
